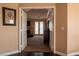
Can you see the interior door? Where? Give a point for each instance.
(24, 30)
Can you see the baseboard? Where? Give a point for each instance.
(52, 49)
(73, 54)
(9, 53)
(60, 53)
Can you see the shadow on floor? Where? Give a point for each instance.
(35, 54)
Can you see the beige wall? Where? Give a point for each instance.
(61, 21)
(67, 16)
(73, 28)
(8, 34)
(36, 5)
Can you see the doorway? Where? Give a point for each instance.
(38, 33)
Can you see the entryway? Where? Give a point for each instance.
(40, 41)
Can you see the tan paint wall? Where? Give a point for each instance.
(66, 41)
(37, 5)
(73, 28)
(61, 21)
(8, 34)
(9, 37)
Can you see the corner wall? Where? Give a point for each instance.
(61, 28)
(73, 28)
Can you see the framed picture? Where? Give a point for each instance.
(9, 16)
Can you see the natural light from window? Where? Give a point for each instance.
(39, 27)
(36, 27)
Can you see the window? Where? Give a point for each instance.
(36, 27)
(39, 27)
(50, 25)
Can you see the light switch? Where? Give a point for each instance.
(62, 28)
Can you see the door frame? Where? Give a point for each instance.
(31, 7)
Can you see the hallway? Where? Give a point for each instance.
(36, 47)
(36, 44)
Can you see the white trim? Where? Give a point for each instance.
(54, 28)
(9, 53)
(73, 54)
(60, 53)
(20, 30)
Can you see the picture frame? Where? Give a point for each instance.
(9, 16)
